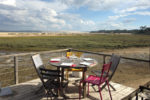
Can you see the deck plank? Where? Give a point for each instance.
(26, 91)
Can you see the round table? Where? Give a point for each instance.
(73, 62)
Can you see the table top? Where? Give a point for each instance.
(73, 62)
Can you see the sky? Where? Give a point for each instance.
(73, 15)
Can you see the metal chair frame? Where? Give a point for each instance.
(98, 80)
(115, 59)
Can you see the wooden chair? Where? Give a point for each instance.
(115, 59)
(49, 78)
(98, 80)
(142, 93)
(76, 54)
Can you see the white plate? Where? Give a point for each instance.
(87, 59)
(66, 64)
(55, 59)
(85, 63)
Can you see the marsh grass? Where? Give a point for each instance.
(88, 42)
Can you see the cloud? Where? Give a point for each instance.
(112, 25)
(133, 5)
(93, 4)
(128, 20)
(115, 17)
(75, 22)
(103, 4)
(51, 15)
(39, 5)
(30, 15)
(145, 13)
(8, 2)
(132, 9)
(124, 14)
(40, 15)
(87, 22)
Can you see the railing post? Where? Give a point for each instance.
(16, 69)
(69, 50)
(149, 56)
(104, 59)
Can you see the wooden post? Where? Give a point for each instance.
(149, 57)
(84, 83)
(16, 69)
(104, 59)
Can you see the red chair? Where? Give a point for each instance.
(95, 80)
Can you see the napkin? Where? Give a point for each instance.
(55, 60)
(66, 64)
(85, 63)
(73, 65)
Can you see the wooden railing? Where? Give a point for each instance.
(104, 55)
(15, 56)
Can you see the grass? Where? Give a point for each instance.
(93, 42)
(90, 42)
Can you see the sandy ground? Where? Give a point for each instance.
(29, 34)
(132, 50)
(140, 53)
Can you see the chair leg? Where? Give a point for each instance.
(109, 90)
(100, 92)
(103, 87)
(136, 96)
(67, 74)
(112, 87)
(88, 89)
(80, 90)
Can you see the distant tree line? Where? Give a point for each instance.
(142, 30)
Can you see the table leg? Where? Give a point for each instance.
(58, 68)
(62, 85)
(62, 77)
(84, 84)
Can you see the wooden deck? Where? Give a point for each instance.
(26, 91)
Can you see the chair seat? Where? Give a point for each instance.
(95, 80)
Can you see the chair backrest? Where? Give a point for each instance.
(115, 59)
(105, 71)
(38, 63)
